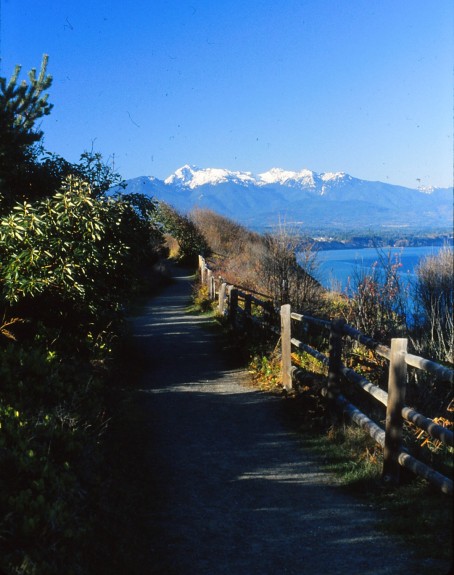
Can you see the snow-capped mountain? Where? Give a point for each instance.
(193, 178)
(312, 200)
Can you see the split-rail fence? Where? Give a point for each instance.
(238, 304)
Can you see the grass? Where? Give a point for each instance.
(201, 301)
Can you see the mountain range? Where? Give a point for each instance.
(304, 199)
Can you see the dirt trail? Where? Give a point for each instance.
(234, 491)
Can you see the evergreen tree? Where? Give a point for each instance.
(21, 105)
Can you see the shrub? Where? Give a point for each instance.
(68, 266)
(72, 260)
(434, 297)
(51, 417)
(201, 300)
(191, 242)
(377, 302)
(288, 280)
(266, 264)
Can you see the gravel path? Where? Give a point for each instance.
(235, 491)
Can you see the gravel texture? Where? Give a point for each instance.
(234, 490)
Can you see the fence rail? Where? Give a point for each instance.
(237, 304)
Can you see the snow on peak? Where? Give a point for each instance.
(427, 189)
(182, 176)
(193, 177)
(333, 176)
(279, 176)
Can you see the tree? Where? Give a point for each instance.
(21, 105)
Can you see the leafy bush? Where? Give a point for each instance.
(191, 242)
(68, 266)
(202, 302)
(51, 418)
(72, 260)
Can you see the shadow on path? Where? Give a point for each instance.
(234, 492)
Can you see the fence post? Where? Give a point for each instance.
(397, 381)
(233, 304)
(247, 312)
(221, 305)
(286, 346)
(209, 283)
(213, 288)
(335, 357)
(203, 271)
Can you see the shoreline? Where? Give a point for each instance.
(381, 243)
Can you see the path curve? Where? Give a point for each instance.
(234, 490)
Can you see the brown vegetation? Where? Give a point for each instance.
(262, 263)
(235, 251)
(377, 303)
(434, 295)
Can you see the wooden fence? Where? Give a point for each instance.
(237, 304)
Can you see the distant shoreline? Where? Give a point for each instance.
(378, 242)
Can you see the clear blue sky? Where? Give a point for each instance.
(361, 86)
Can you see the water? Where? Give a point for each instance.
(338, 267)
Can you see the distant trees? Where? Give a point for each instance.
(224, 236)
(237, 250)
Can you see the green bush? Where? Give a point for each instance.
(68, 266)
(51, 420)
(70, 261)
(191, 242)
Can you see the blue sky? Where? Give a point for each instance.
(361, 86)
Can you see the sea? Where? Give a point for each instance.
(337, 269)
